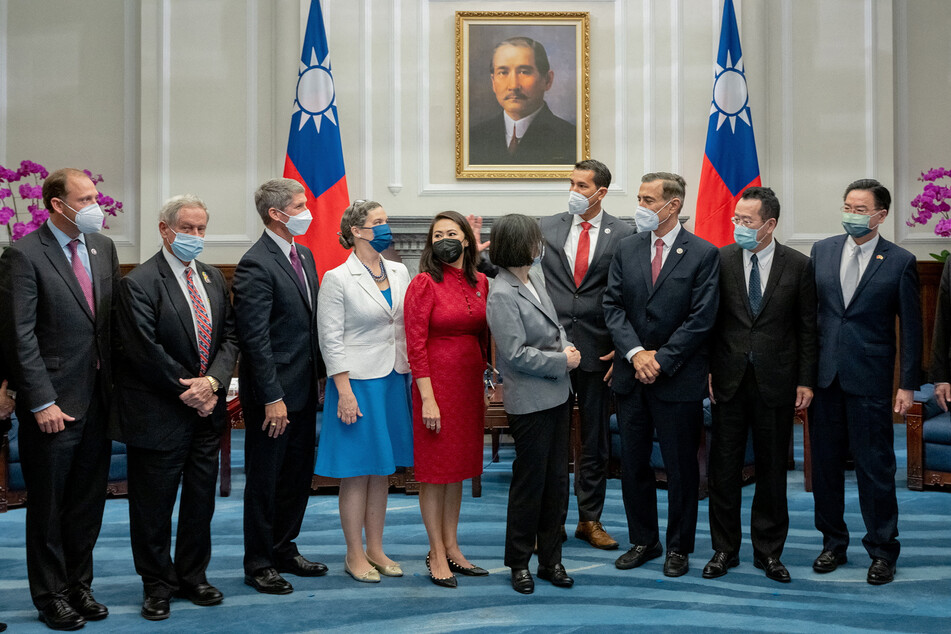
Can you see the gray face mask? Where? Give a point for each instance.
(648, 220)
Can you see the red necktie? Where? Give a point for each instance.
(204, 325)
(80, 271)
(658, 260)
(581, 255)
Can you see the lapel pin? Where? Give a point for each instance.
(93, 251)
(879, 257)
(679, 251)
(205, 277)
(478, 293)
(607, 231)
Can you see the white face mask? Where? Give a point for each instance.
(298, 225)
(577, 203)
(88, 219)
(647, 220)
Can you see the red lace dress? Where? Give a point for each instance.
(446, 339)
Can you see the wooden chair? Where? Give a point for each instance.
(928, 434)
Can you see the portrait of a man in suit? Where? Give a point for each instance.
(525, 130)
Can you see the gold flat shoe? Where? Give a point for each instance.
(392, 570)
(370, 576)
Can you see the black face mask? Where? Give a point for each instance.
(447, 250)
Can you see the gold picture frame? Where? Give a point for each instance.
(495, 51)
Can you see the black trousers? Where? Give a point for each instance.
(678, 426)
(154, 477)
(278, 476)
(538, 496)
(771, 426)
(594, 400)
(66, 475)
(840, 421)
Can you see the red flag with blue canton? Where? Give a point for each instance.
(729, 161)
(314, 152)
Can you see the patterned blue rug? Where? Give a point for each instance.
(603, 597)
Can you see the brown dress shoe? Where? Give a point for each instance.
(594, 534)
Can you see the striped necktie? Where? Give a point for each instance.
(201, 317)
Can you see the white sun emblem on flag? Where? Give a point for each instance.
(316, 97)
(730, 94)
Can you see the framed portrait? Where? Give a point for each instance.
(522, 93)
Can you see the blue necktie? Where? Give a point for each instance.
(756, 293)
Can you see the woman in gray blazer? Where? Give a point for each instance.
(367, 428)
(533, 358)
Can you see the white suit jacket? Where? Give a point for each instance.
(359, 332)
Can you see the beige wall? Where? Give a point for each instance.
(174, 96)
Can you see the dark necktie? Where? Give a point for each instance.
(756, 291)
(581, 254)
(81, 276)
(301, 280)
(513, 144)
(658, 260)
(201, 318)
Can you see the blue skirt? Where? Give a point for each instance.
(379, 441)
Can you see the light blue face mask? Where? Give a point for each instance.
(856, 225)
(746, 237)
(187, 247)
(537, 260)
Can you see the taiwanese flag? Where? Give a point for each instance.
(729, 161)
(314, 153)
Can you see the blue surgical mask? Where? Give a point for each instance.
(538, 258)
(187, 247)
(746, 237)
(648, 220)
(382, 237)
(856, 225)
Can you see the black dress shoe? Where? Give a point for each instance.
(638, 556)
(880, 572)
(522, 581)
(557, 575)
(774, 569)
(827, 561)
(83, 602)
(59, 615)
(474, 571)
(719, 564)
(302, 567)
(676, 564)
(3, 627)
(201, 594)
(267, 581)
(155, 608)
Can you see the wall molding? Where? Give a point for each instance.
(396, 73)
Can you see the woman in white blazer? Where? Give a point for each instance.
(534, 358)
(367, 426)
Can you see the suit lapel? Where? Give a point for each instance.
(366, 282)
(285, 264)
(180, 303)
(560, 238)
(775, 273)
(645, 262)
(308, 279)
(677, 252)
(738, 270)
(874, 264)
(835, 267)
(528, 295)
(57, 258)
(95, 269)
(214, 298)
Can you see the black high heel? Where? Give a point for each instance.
(446, 582)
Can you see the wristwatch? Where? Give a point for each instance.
(214, 383)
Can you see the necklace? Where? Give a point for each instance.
(376, 278)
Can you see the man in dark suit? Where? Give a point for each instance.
(526, 131)
(57, 285)
(176, 352)
(275, 297)
(579, 246)
(763, 368)
(863, 282)
(660, 305)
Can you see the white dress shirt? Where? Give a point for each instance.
(865, 256)
(178, 270)
(574, 234)
(518, 128)
(765, 260)
(285, 247)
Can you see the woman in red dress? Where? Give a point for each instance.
(446, 339)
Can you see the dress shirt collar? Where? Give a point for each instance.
(178, 268)
(520, 127)
(576, 220)
(865, 250)
(284, 245)
(61, 237)
(670, 237)
(763, 258)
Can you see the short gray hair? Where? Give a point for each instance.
(354, 216)
(277, 193)
(674, 185)
(169, 212)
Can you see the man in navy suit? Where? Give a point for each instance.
(579, 246)
(660, 305)
(863, 282)
(275, 296)
(176, 352)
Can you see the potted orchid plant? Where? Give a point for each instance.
(25, 215)
(934, 200)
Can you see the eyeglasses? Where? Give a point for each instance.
(745, 222)
(864, 211)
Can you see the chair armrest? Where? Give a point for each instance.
(914, 424)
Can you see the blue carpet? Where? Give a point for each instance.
(603, 597)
